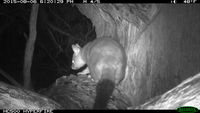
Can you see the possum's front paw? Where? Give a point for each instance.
(90, 77)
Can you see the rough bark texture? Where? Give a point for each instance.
(30, 46)
(78, 92)
(185, 94)
(15, 98)
(161, 42)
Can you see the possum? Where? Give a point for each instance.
(106, 63)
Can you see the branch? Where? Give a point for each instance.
(64, 33)
(185, 94)
(61, 19)
(30, 47)
(7, 76)
(55, 42)
(15, 98)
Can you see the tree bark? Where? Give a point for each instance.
(30, 46)
(16, 98)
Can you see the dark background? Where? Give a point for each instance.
(58, 27)
(167, 52)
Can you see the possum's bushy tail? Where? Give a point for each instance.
(104, 88)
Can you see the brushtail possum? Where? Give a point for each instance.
(106, 61)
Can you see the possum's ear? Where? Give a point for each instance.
(76, 48)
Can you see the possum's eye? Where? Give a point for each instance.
(73, 61)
